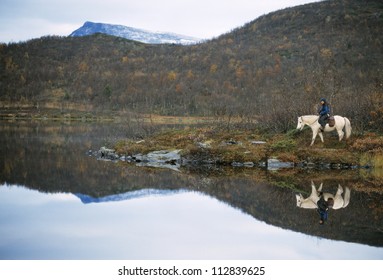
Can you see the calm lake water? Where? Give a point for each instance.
(58, 202)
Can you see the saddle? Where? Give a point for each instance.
(331, 121)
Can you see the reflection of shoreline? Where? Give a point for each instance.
(270, 204)
(86, 199)
(50, 159)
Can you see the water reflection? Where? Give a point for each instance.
(323, 202)
(183, 225)
(64, 183)
(311, 201)
(126, 196)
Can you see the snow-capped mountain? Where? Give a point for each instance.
(135, 34)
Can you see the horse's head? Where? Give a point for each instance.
(299, 199)
(300, 124)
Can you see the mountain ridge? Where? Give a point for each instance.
(132, 33)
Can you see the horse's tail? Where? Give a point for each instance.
(346, 198)
(347, 127)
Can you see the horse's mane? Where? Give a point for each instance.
(310, 116)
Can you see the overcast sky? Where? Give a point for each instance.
(21, 20)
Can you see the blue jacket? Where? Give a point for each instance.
(324, 110)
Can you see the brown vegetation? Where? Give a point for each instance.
(277, 67)
(225, 147)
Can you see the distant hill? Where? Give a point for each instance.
(135, 34)
(277, 67)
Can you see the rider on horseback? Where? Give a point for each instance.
(324, 113)
(323, 207)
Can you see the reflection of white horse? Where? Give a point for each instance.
(312, 122)
(311, 201)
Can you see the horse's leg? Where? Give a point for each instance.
(314, 195)
(339, 128)
(320, 187)
(314, 136)
(313, 190)
(321, 136)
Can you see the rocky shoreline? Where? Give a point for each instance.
(207, 147)
(174, 160)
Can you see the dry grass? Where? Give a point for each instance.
(369, 142)
(158, 119)
(225, 146)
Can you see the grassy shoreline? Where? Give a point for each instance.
(224, 142)
(222, 146)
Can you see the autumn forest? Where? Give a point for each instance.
(274, 68)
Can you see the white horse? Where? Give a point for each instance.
(312, 122)
(311, 201)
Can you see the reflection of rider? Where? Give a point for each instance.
(323, 207)
(324, 113)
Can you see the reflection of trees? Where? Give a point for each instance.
(56, 161)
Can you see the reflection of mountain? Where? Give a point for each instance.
(126, 196)
(52, 159)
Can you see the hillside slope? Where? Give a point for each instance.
(277, 67)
